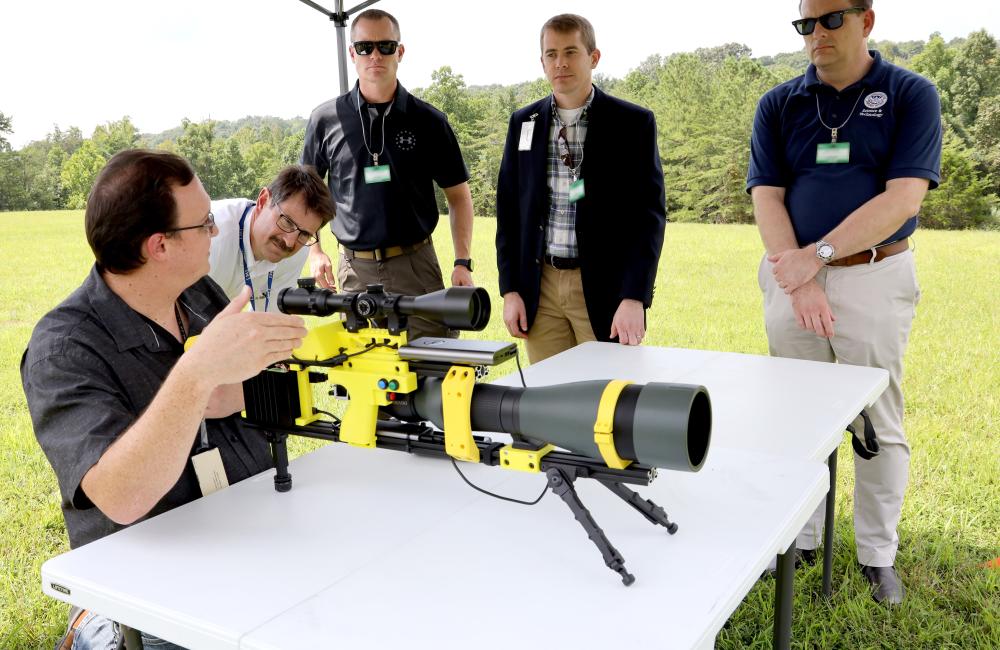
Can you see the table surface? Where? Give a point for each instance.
(376, 548)
(787, 407)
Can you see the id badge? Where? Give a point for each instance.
(209, 470)
(576, 190)
(377, 174)
(527, 130)
(833, 152)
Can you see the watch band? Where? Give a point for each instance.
(464, 261)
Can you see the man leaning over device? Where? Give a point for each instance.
(264, 244)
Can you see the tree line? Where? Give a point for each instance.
(704, 102)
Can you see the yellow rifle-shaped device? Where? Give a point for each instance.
(613, 431)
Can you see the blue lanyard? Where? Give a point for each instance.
(246, 269)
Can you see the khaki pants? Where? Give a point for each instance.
(562, 320)
(874, 305)
(409, 274)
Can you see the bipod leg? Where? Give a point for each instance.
(562, 484)
(279, 452)
(654, 513)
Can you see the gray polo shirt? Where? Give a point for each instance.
(92, 367)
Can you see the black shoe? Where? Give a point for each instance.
(885, 583)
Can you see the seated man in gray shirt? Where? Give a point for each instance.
(128, 420)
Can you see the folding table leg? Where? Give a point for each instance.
(783, 596)
(831, 503)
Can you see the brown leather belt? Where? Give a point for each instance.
(67, 641)
(873, 255)
(380, 254)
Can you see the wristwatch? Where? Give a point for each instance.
(466, 262)
(824, 251)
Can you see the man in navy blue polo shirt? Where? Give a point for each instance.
(382, 151)
(840, 161)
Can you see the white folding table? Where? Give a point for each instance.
(376, 548)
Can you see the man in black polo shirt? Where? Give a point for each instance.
(841, 159)
(382, 150)
(131, 423)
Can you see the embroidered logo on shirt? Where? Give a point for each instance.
(406, 141)
(876, 100)
(873, 104)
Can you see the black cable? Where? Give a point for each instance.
(517, 358)
(497, 496)
(327, 413)
(338, 360)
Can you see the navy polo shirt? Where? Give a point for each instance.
(420, 150)
(893, 126)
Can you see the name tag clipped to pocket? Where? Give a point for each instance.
(208, 466)
(527, 131)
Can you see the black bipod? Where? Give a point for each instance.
(561, 483)
(279, 452)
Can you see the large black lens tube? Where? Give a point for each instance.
(658, 424)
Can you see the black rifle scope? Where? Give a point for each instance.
(461, 308)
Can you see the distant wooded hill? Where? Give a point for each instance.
(704, 151)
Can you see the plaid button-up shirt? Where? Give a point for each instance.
(560, 228)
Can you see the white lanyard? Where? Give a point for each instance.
(833, 130)
(365, 138)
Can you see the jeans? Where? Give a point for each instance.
(97, 632)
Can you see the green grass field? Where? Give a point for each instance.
(707, 297)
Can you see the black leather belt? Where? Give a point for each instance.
(562, 263)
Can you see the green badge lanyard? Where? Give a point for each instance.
(576, 190)
(374, 173)
(835, 152)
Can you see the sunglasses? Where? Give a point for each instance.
(832, 20)
(367, 47)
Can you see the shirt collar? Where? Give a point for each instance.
(127, 327)
(400, 101)
(586, 105)
(811, 81)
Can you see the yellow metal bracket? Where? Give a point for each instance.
(456, 405)
(523, 460)
(604, 426)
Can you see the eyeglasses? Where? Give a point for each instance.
(208, 225)
(832, 20)
(367, 47)
(304, 237)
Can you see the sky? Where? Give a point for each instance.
(84, 63)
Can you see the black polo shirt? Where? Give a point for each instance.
(92, 367)
(420, 150)
(893, 125)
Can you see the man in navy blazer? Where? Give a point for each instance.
(580, 206)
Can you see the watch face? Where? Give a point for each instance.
(825, 252)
